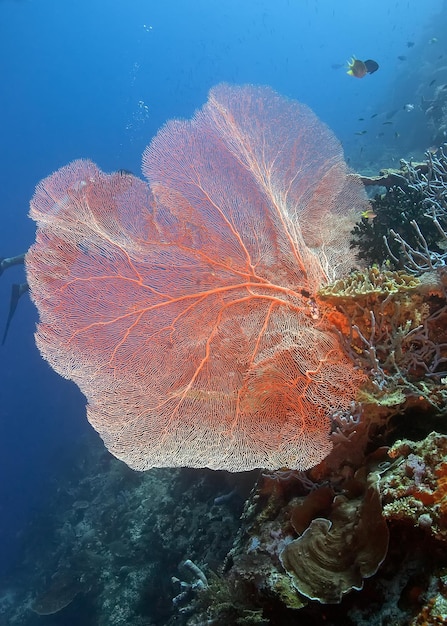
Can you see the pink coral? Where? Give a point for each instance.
(187, 312)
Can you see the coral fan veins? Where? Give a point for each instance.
(185, 310)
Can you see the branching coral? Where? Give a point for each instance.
(394, 328)
(409, 228)
(393, 210)
(429, 250)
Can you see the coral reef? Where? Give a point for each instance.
(314, 526)
(348, 543)
(359, 539)
(361, 535)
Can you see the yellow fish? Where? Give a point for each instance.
(368, 214)
(359, 69)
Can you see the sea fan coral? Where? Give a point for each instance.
(185, 311)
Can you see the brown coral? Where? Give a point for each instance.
(334, 555)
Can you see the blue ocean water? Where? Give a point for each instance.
(96, 79)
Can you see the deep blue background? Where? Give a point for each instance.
(96, 79)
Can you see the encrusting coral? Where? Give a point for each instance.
(414, 489)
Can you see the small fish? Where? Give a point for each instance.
(361, 132)
(337, 66)
(373, 115)
(361, 119)
(408, 107)
(384, 123)
(410, 44)
(431, 83)
(396, 135)
(380, 134)
(433, 40)
(368, 214)
(359, 69)
(402, 57)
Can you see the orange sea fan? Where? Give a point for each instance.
(185, 310)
